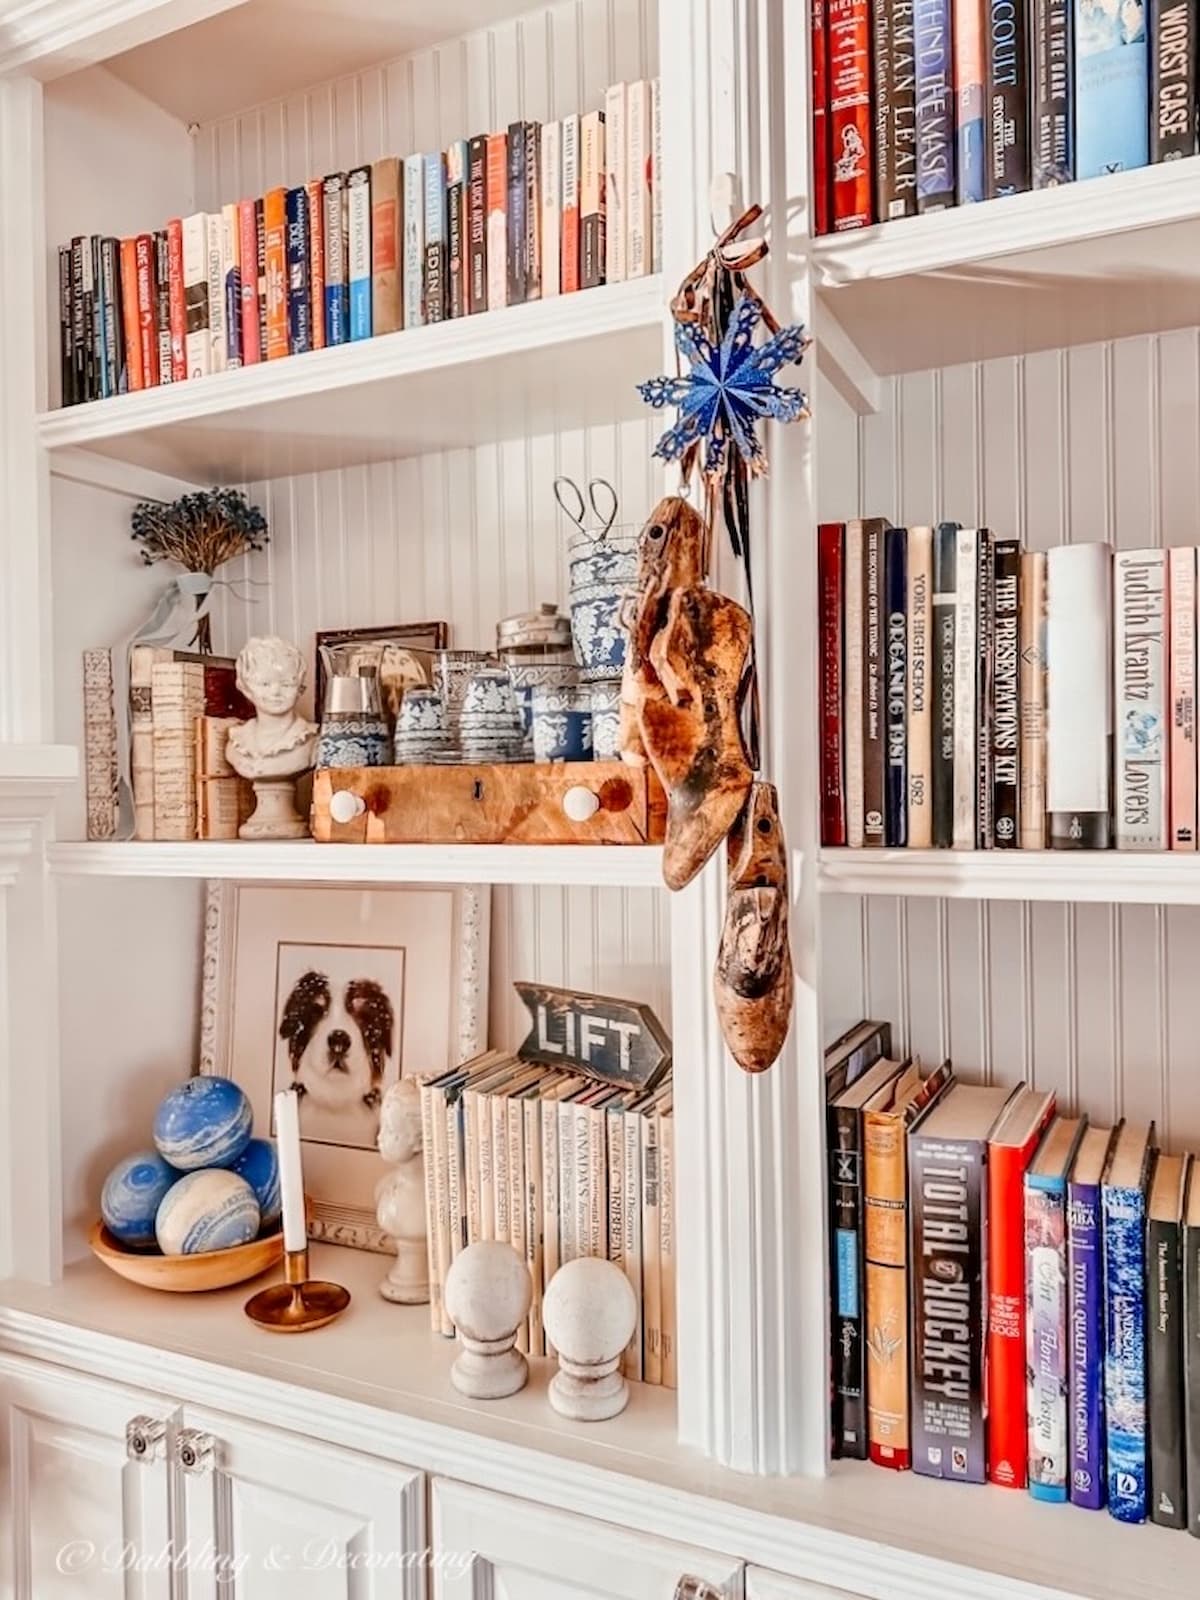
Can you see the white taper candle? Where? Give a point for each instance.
(291, 1174)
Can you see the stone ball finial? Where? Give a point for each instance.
(589, 1313)
(487, 1297)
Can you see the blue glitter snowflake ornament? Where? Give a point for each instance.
(729, 387)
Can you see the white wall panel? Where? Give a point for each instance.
(1098, 1002)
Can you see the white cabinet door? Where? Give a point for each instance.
(287, 1518)
(762, 1585)
(489, 1547)
(85, 1504)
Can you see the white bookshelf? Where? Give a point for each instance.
(1094, 878)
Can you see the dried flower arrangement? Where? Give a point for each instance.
(200, 532)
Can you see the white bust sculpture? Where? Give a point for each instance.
(278, 744)
(400, 1194)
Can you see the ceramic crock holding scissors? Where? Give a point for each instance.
(602, 562)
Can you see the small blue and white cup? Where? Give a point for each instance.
(598, 631)
(606, 720)
(422, 711)
(562, 724)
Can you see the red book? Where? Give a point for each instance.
(831, 583)
(316, 259)
(177, 315)
(1011, 1148)
(248, 255)
(820, 119)
(850, 133)
(147, 332)
(129, 315)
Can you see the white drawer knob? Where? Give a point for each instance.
(580, 803)
(345, 805)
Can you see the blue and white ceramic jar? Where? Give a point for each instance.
(603, 572)
(562, 724)
(606, 720)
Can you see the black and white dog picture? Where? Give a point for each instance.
(339, 1015)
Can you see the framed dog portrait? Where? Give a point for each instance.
(333, 992)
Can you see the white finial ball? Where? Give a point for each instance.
(488, 1291)
(590, 1312)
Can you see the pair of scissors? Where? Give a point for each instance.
(601, 501)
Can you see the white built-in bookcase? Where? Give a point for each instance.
(1031, 364)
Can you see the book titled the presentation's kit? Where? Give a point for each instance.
(1123, 1200)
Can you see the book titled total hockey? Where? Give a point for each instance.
(1085, 1315)
(1123, 1199)
(1141, 698)
(1164, 1339)
(935, 105)
(1112, 71)
(947, 1161)
(1078, 695)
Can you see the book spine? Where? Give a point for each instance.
(441, 1165)
(1079, 695)
(497, 1106)
(893, 60)
(874, 703)
(316, 261)
(337, 292)
(616, 236)
(1125, 1351)
(534, 1248)
(496, 180)
(477, 257)
(830, 536)
(1007, 99)
(1046, 1340)
(414, 242)
(637, 181)
(846, 1230)
(886, 1287)
(966, 649)
(176, 699)
(487, 1167)
(1172, 79)
(850, 132)
(985, 620)
(516, 266)
(299, 289)
(115, 378)
(552, 210)
(248, 252)
(1142, 664)
(275, 248)
(1051, 85)
(1085, 1367)
(454, 1174)
(95, 305)
(456, 232)
(633, 1363)
(666, 1234)
(431, 1230)
(944, 611)
(100, 744)
(434, 305)
(66, 352)
(358, 252)
(568, 1225)
(598, 1168)
(852, 695)
(1164, 1372)
(548, 1113)
(1191, 1370)
(1032, 688)
(1006, 695)
(1112, 90)
(935, 105)
(970, 77)
(533, 211)
(147, 309)
(471, 1195)
(581, 1190)
(219, 355)
(231, 284)
(896, 687)
(515, 1133)
(1181, 731)
(570, 205)
(651, 1251)
(948, 1223)
(141, 739)
(260, 229)
(194, 264)
(387, 301)
(1007, 1442)
(80, 342)
(615, 1158)
(920, 688)
(656, 172)
(130, 319)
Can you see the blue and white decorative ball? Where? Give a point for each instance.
(206, 1122)
(259, 1165)
(209, 1210)
(131, 1196)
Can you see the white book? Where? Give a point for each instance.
(551, 208)
(414, 241)
(1141, 697)
(920, 688)
(1079, 695)
(639, 247)
(656, 167)
(197, 349)
(965, 668)
(214, 232)
(616, 238)
(852, 688)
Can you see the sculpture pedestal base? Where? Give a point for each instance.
(275, 815)
(489, 1369)
(588, 1394)
(407, 1284)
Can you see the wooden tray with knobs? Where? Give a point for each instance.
(585, 802)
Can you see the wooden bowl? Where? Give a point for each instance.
(211, 1269)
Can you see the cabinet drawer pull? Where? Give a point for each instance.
(145, 1438)
(195, 1451)
(689, 1588)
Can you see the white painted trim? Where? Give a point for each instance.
(51, 37)
(1113, 877)
(117, 477)
(29, 767)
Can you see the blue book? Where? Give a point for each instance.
(935, 105)
(1085, 1321)
(1112, 88)
(358, 250)
(337, 291)
(1046, 1343)
(895, 680)
(299, 299)
(435, 237)
(517, 241)
(1123, 1199)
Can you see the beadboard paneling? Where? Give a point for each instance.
(1098, 1002)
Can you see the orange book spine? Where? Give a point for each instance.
(1182, 726)
(248, 255)
(275, 230)
(147, 331)
(496, 189)
(316, 259)
(129, 314)
(885, 1234)
(570, 205)
(176, 308)
(387, 298)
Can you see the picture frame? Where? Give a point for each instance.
(425, 637)
(338, 989)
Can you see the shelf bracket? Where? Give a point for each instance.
(843, 364)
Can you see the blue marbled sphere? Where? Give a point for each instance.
(131, 1196)
(259, 1165)
(209, 1210)
(206, 1122)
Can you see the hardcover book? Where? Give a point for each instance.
(830, 578)
(985, 626)
(852, 1052)
(496, 188)
(533, 210)
(1045, 1348)
(944, 613)
(116, 375)
(101, 379)
(935, 105)
(1085, 1308)
(1181, 727)
(874, 705)
(1172, 79)
(517, 242)
(337, 283)
(260, 229)
(387, 213)
(638, 244)
(176, 302)
(275, 242)
(457, 159)
(1164, 1340)
(656, 170)
(1079, 695)
(1191, 1350)
(414, 241)
(435, 238)
(299, 292)
(219, 356)
(569, 264)
(1007, 164)
(1011, 1148)
(893, 44)
(1112, 89)
(920, 688)
(552, 209)
(1052, 135)
(100, 744)
(615, 198)
(970, 78)
(162, 306)
(852, 692)
(147, 332)
(231, 284)
(1031, 622)
(80, 318)
(822, 177)
(1123, 1199)
(316, 260)
(666, 1243)
(895, 687)
(129, 315)
(65, 333)
(1141, 695)
(966, 703)
(248, 255)
(1005, 692)
(477, 260)
(850, 131)
(358, 252)
(194, 265)
(948, 1194)
(592, 201)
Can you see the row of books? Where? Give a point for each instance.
(970, 691)
(534, 211)
(1013, 1292)
(559, 1165)
(958, 101)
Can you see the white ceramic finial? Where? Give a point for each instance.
(589, 1314)
(487, 1298)
(580, 804)
(345, 805)
(400, 1194)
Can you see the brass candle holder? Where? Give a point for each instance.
(299, 1302)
